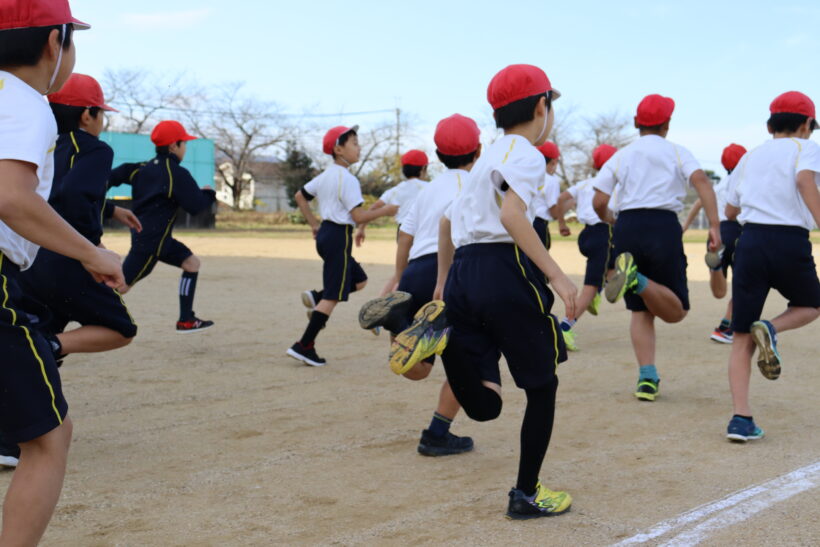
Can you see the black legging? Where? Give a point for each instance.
(536, 430)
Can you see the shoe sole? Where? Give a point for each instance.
(304, 359)
(714, 261)
(645, 396)
(616, 287)
(518, 516)
(435, 451)
(405, 351)
(191, 331)
(719, 339)
(769, 361)
(307, 300)
(373, 312)
(9, 461)
(738, 438)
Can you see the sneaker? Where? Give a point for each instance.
(545, 503)
(56, 350)
(714, 259)
(309, 299)
(595, 304)
(723, 335)
(569, 339)
(625, 278)
(647, 389)
(427, 335)
(193, 325)
(376, 331)
(742, 430)
(9, 453)
(387, 311)
(307, 355)
(768, 359)
(443, 446)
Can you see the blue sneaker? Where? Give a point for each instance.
(742, 430)
(768, 359)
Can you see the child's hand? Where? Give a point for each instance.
(438, 292)
(567, 290)
(564, 230)
(360, 237)
(105, 267)
(714, 238)
(127, 217)
(315, 229)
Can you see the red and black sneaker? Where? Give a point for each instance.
(194, 324)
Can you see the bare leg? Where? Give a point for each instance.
(360, 286)
(794, 318)
(91, 339)
(740, 370)
(642, 330)
(588, 292)
(326, 306)
(717, 282)
(662, 302)
(35, 487)
(729, 309)
(191, 264)
(447, 404)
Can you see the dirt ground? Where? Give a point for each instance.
(220, 439)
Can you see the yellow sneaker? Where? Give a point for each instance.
(427, 335)
(545, 503)
(595, 304)
(569, 339)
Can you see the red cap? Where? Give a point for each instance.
(169, 132)
(654, 110)
(457, 135)
(332, 137)
(550, 150)
(731, 156)
(601, 154)
(37, 13)
(414, 157)
(793, 102)
(81, 90)
(517, 82)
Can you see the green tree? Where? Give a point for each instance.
(297, 169)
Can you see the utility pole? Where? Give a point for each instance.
(398, 132)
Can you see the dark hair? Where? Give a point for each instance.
(454, 162)
(411, 171)
(651, 128)
(68, 117)
(165, 150)
(548, 160)
(25, 46)
(520, 111)
(786, 122)
(342, 140)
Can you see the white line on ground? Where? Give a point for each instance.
(765, 495)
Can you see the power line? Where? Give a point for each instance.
(227, 112)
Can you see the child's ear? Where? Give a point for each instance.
(769, 129)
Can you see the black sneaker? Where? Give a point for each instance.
(307, 355)
(647, 389)
(545, 503)
(389, 311)
(447, 445)
(56, 349)
(9, 453)
(193, 325)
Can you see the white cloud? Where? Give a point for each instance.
(167, 20)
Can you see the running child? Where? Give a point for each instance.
(720, 262)
(457, 147)
(546, 199)
(774, 196)
(82, 166)
(159, 188)
(651, 176)
(496, 303)
(594, 242)
(37, 56)
(340, 207)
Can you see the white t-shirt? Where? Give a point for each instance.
(28, 133)
(582, 193)
(403, 194)
(546, 197)
(721, 193)
(475, 214)
(649, 173)
(338, 192)
(764, 183)
(423, 216)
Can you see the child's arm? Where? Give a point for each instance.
(732, 212)
(515, 221)
(187, 192)
(360, 235)
(703, 186)
(304, 207)
(405, 241)
(30, 216)
(807, 187)
(692, 214)
(446, 250)
(601, 205)
(559, 210)
(363, 216)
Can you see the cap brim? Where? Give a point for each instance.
(79, 25)
(353, 129)
(108, 108)
(189, 138)
(555, 94)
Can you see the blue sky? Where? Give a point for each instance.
(722, 61)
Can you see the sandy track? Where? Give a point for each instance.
(219, 439)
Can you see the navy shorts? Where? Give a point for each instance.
(340, 272)
(595, 243)
(31, 401)
(139, 262)
(654, 238)
(497, 305)
(772, 257)
(729, 234)
(542, 229)
(419, 279)
(73, 295)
